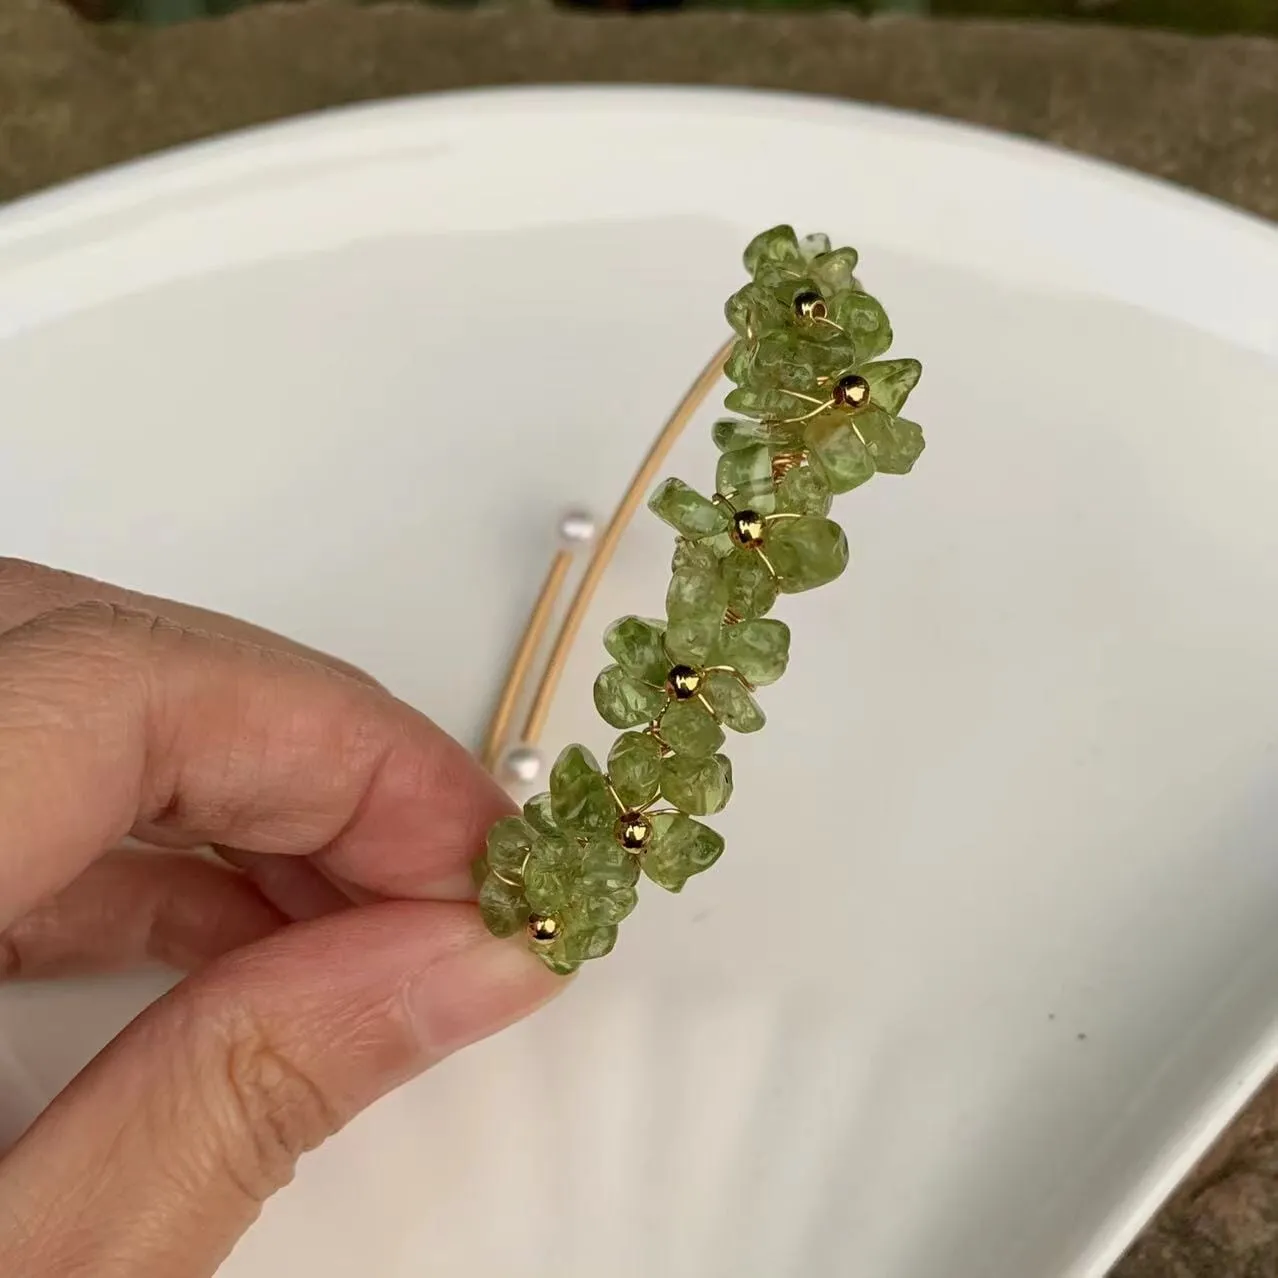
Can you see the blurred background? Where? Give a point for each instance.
(1200, 16)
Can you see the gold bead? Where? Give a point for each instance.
(633, 830)
(543, 929)
(684, 683)
(852, 392)
(810, 305)
(747, 529)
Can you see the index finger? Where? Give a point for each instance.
(114, 721)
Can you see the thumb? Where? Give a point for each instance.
(159, 1155)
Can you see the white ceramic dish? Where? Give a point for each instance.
(993, 953)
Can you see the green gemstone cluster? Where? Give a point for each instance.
(818, 414)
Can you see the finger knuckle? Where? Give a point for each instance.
(278, 1111)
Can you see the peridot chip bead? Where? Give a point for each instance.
(732, 702)
(807, 552)
(758, 651)
(698, 787)
(865, 321)
(731, 433)
(893, 443)
(634, 768)
(804, 490)
(752, 589)
(687, 727)
(744, 476)
(891, 381)
(502, 907)
(550, 876)
(509, 843)
(778, 246)
(636, 644)
(837, 443)
(539, 814)
(607, 869)
(579, 794)
(687, 511)
(680, 848)
(624, 701)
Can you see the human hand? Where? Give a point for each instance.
(302, 1007)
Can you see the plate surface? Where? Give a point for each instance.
(991, 955)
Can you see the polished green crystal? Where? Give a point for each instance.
(758, 651)
(778, 246)
(695, 603)
(893, 443)
(732, 702)
(752, 589)
(744, 477)
(804, 490)
(626, 702)
(891, 381)
(840, 448)
(502, 906)
(687, 727)
(540, 815)
(699, 787)
(580, 946)
(768, 401)
(579, 793)
(731, 433)
(637, 645)
(834, 271)
(607, 869)
(687, 511)
(551, 875)
(806, 552)
(680, 847)
(509, 843)
(690, 639)
(634, 768)
(865, 321)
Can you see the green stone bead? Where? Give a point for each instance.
(758, 651)
(893, 443)
(509, 843)
(539, 814)
(637, 645)
(731, 433)
(699, 787)
(732, 702)
(625, 702)
(752, 589)
(814, 245)
(807, 552)
(634, 768)
(744, 476)
(776, 247)
(607, 868)
(680, 848)
(688, 727)
(555, 961)
(836, 441)
(579, 794)
(551, 875)
(891, 381)
(687, 511)
(865, 321)
(835, 271)
(804, 490)
(765, 402)
(799, 360)
(697, 586)
(502, 907)
(696, 556)
(588, 943)
(690, 639)
(609, 910)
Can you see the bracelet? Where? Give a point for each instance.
(818, 414)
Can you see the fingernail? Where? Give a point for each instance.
(476, 990)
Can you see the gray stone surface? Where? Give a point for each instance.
(74, 98)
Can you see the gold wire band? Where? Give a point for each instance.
(543, 698)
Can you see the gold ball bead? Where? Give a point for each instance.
(852, 392)
(543, 929)
(747, 529)
(633, 830)
(684, 682)
(810, 305)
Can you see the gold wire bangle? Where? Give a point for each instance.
(496, 743)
